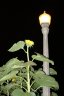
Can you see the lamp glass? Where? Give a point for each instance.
(45, 18)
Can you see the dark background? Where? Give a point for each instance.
(19, 21)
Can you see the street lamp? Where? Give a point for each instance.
(45, 20)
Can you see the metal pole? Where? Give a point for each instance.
(45, 31)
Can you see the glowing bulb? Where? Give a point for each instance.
(45, 18)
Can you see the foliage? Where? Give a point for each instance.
(18, 78)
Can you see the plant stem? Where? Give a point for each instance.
(20, 78)
(7, 93)
(7, 89)
(28, 75)
(24, 50)
(27, 53)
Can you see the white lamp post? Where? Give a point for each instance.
(45, 20)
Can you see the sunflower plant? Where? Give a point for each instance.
(19, 77)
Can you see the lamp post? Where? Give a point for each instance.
(45, 20)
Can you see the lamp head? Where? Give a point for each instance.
(45, 18)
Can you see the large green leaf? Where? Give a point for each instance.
(17, 92)
(52, 72)
(11, 64)
(32, 94)
(9, 76)
(9, 86)
(17, 66)
(42, 80)
(38, 73)
(42, 58)
(17, 46)
(13, 61)
(1, 74)
(30, 63)
(2, 68)
(3, 89)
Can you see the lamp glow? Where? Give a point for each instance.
(45, 18)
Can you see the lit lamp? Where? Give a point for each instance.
(45, 20)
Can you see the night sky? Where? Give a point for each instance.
(19, 21)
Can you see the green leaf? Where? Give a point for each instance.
(30, 63)
(24, 70)
(9, 86)
(42, 58)
(9, 76)
(11, 64)
(42, 80)
(2, 68)
(13, 61)
(1, 75)
(52, 72)
(40, 69)
(3, 89)
(38, 73)
(17, 92)
(32, 94)
(29, 94)
(32, 69)
(31, 74)
(18, 66)
(17, 46)
(54, 94)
